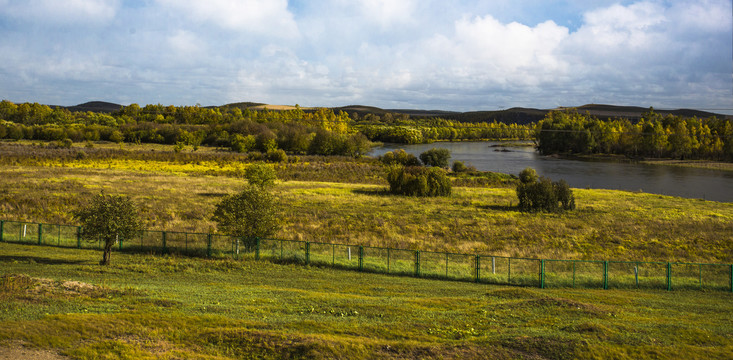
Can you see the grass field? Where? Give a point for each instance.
(608, 225)
(58, 301)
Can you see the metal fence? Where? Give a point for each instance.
(488, 269)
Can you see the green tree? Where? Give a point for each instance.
(251, 214)
(418, 181)
(109, 219)
(537, 193)
(436, 157)
(260, 175)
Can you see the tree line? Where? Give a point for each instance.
(657, 136)
(319, 132)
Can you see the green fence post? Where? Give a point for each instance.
(669, 276)
(478, 268)
(165, 250)
(2, 225)
(257, 248)
(361, 258)
(417, 263)
(573, 274)
(307, 252)
(208, 245)
(605, 275)
(40, 234)
(509, 271)
(542, 274)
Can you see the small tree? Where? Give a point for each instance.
(260, 175)
(541, 194)
(418, 181)
(399, 157)
(248, 215)
(436, 157)
(109, 218)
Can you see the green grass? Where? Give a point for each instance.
(144, 306)
(608, 225)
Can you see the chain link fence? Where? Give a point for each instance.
(485, 269)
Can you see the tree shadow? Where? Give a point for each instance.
(373, 192)
(499, 207)
(208, 194)
(41, 260)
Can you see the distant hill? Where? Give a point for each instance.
(516, 115)
(95, 106)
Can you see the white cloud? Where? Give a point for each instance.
(263, 17)
(60, 12)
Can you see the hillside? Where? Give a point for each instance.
(515, 115)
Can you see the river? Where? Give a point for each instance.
(708, 184)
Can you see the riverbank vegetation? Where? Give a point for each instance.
(655, 136)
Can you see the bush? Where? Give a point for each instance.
(251, 214)
(399, 157)
(435, 157)
(541, 194)
(458, 166)
(277, 155)
(418, 181)
(260, 175)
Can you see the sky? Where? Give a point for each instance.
(394, 54)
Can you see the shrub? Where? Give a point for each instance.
(458, 166)
(260, 175)
(399, 157)
(541, 194)
(418, 181)
(436, 157)
(277, 155)
(249, 215)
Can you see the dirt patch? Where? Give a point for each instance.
(16, 351)
(27, 285)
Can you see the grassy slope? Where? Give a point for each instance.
(166, 307)
(608, 224)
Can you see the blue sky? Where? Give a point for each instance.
(425, 54)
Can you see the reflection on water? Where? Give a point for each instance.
(657, 179)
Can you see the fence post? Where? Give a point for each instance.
(208, 245)
(361, 258)
(40, 234)
(542, 274)
(257, 248)
(307, 252)
(669, 276)
(605, 275)
(2, 225)
(493, 264)
(165, 250)
(417, 263)
(478, 268)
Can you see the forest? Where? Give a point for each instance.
(323, 131)
(654, 135)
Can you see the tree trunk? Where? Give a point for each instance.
(107, 254)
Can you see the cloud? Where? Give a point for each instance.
(399, 54)
(52, 12)
(262, 17)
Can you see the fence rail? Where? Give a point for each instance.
(485, 269)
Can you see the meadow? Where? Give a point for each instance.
(58, 302)
(178, 192)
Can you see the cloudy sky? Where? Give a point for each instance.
(425, 54)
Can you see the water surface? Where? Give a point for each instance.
(706, 184)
